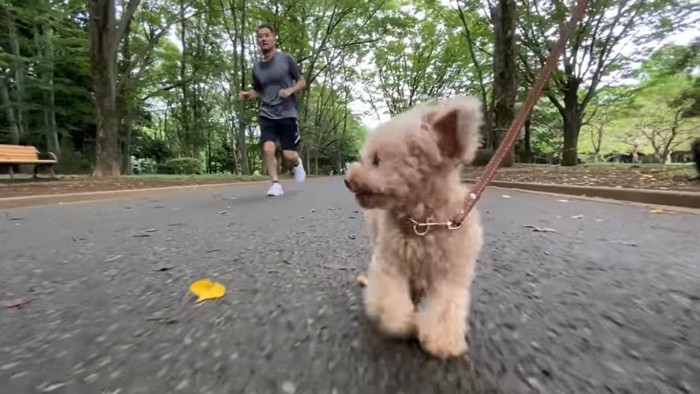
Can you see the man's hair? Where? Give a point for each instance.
(266, 26)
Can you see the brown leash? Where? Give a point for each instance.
(535, 93)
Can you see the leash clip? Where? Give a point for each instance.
(422, 228)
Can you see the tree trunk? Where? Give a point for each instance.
(527, 140)
(233, 134)
(572, 123)
(9, 111)
(184, 103)
(126, 132)
(124, 103)
(339, 146)
(488, 124)
(242, 146)
(505, 72)
(103, 44)
(597, 141)
(47, 53)
(18, 68)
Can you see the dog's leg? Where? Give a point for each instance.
(443, 325)
(388, 300)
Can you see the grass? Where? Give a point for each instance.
(200, 176)
(633, 165)
(208, 178)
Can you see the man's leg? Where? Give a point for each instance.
(270, 160)
(289, 139)
(269, 135)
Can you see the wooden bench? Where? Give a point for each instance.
(18, 154)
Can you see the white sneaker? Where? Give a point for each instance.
(299, 172)
(275, 190)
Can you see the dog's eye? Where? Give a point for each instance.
(375, 161)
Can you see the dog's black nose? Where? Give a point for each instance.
(347, 184)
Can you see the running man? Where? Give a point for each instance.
(276, 80)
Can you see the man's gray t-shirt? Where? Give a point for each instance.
(269, 77)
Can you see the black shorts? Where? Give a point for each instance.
(285, 131)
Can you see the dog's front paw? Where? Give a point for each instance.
(392, 319)
(444, 345)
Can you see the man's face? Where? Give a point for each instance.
(266, 39)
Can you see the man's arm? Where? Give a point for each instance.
(295, 73)
(253, 93)
(257, 87)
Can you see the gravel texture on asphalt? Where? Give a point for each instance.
(610, 302)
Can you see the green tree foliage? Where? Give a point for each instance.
(179, 67)
(595, 55)
(157, 80)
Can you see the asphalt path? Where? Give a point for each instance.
(608, 303)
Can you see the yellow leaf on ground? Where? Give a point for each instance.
(205, 289)
(362, 279)
(656, 210)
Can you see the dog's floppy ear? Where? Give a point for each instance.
(457, 124)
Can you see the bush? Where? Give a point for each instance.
(181, 166)
(146, 147)
(143, 166)
(73, 162)
(164, 169)
(482, 157)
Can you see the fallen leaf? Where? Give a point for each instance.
(162, 320)
(656, 210)
(562, 200)
(334, 267)
(212, 250)
(362, 279)
(506, 196)
(163, 269)
(540, 229)
(141, 235)
(623, 242)
(18, 303)
(577, 217)
(150, 230)
(205, 289)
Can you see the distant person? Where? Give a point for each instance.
(276, 80)
(635, 154)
